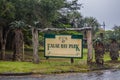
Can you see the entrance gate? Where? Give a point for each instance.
(88, 36)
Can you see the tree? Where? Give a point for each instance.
(30, 11)
(27, 11)
(17, 26)
(70, 14)
(44, 12)
(35, 43)
(48, 12)
(92, 22)
(113, 34)
(3, 36)
(6, 15)
(116, 32)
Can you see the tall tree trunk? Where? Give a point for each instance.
(18, 42)
(35, 45)
(3, 38)
(3, 51)
(1, 42)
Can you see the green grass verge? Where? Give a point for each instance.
(53, 65)
(45, 67)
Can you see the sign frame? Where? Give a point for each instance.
(72, 37)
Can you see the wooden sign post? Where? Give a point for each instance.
(89, 46)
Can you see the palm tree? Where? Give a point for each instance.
(91, 22)
(17, 26)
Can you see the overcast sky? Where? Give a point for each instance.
(107, 11)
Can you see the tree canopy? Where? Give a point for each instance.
(15, 14)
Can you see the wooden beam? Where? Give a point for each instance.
(61, 29)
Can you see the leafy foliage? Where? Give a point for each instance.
(7, 10)
(41, 14)
(17, 25)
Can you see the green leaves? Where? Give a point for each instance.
(7, 9)
(49, 8)
(17, 25)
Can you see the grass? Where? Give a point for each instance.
(45, 67)
(52, 65)
(7, 66)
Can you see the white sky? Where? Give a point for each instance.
(107, 11)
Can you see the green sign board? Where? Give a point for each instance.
(63, 46)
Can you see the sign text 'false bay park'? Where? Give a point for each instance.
(63, 46)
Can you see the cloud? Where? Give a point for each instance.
(102, 10)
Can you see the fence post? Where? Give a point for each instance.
(89, 46)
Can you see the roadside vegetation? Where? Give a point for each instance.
(54, 65)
